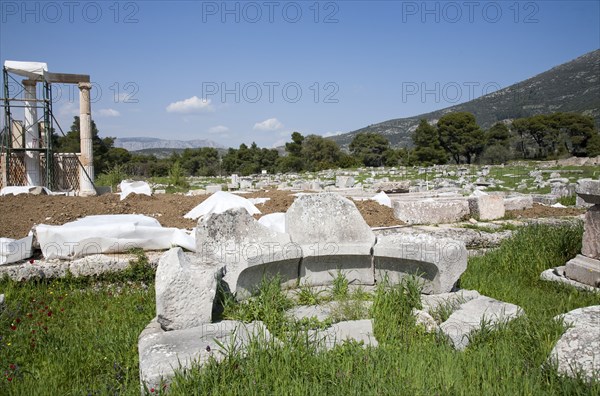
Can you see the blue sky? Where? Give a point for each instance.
(240, 71)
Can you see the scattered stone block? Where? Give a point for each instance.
(430, 211)
(392, 187)
(589, 190)
(333, 237)
(163, 352)
(344, 181)
(558, 275)
(584, 269)
(213, 188)
(453, 299)
(520, 202)
(470, 316)
(185, 290)
(424, 319)
(247, 250)
(352, 330)
(578, 349)
(439, 262)
(487, 207)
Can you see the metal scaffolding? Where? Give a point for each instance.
(27, 155)
(13, 137)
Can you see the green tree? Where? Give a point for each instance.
(498, 134)
(428, 150)
(293, 161)
(320, 153)
(106, 156)
(460, 136)
(369, 148)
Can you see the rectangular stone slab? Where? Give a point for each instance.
(431, 211)
(584, 269)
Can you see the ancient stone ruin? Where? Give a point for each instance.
(325, 236)
(583, 271)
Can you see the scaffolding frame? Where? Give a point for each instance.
(11, 134)
(11, 151)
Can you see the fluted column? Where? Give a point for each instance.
(86, 178)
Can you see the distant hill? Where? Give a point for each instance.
(144, 143)
(571, 87)
(166, 152)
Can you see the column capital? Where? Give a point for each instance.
(85, 85)
(29, 82)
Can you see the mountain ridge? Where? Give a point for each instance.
(573, 86)
(145, 143)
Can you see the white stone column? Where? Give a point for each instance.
(86, 179)
(32, 134)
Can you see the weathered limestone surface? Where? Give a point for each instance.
(470, 316)
(439, 262)
(429, 211)
(163, 352)
(353, 330)
(185, 290)
(454, 299)
(518, 203)
(584, 270)
(558, 275)
(589, 190)
(578, 349)
(333, 237)
(424, 319)
(247, 249)
(96, 264)
(591, 233)
(487, 207)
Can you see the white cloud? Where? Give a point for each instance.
(272, 124)
(218, 129)
(69, 109)
(190, 106)
(108, 113)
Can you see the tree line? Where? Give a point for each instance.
(454, 138)
(457, 138)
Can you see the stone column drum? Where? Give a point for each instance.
(585, 268)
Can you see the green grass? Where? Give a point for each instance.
(509, 360)
(90, 345)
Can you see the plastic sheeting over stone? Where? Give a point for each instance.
(134, 187)
(109, 234)
(13, 250)
(219, 202)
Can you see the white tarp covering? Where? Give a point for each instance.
(12, 250)
(137, 187)
(109, 234)
(16, 190)
(33, 70)
(383, 199)
(274, 221)
(219, 202)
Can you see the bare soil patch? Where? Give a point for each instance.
(541, 211)
(20, 213)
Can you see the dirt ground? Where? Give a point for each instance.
(539, 211)
(20, 213)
